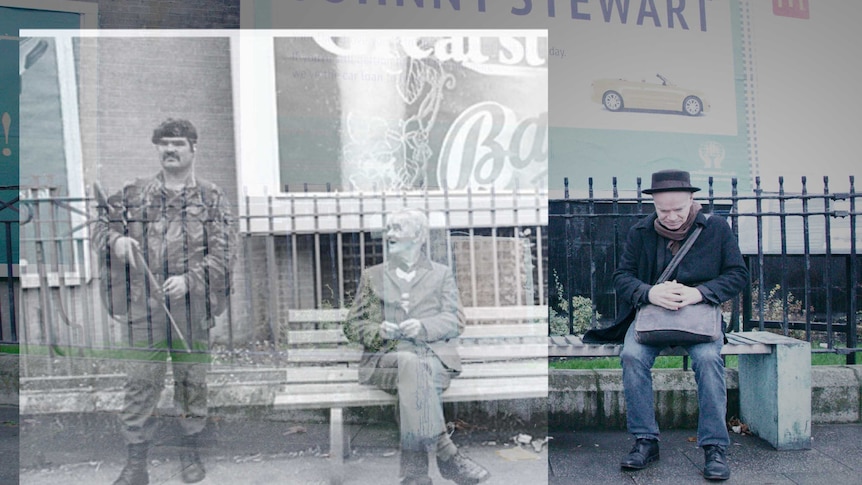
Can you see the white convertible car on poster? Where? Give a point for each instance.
(619, 94)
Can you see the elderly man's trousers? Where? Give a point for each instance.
(418, 377)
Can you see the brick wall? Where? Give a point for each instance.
(129, 85)
(513, 275)
(168, 14)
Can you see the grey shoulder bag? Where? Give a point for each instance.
(691, 324)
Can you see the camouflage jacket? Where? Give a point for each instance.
(189, 233)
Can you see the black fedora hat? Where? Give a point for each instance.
(671, 180)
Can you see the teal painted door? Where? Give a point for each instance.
(17, 57)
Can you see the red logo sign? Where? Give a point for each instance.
(791, 8)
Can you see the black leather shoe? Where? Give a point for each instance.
(462, 470)
(414, 468)
(715, 464)
(416, 481)
(644, 452)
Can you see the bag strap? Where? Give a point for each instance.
(680, 254)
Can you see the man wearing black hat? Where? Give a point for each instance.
(713, 271)
(167, 242)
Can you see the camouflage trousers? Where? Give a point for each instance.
(145, 365)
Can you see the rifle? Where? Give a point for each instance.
(140, 261)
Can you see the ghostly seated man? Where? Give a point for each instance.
(407, 315)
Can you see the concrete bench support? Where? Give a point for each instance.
(775, 391)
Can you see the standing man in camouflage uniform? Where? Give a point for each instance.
(167, 242)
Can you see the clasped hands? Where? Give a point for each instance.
(128, 249)
(673, 295)
(408, 329)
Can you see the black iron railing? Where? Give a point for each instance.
(294, 251)
(800, 248)
(9, 220)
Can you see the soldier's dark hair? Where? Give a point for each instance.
(176, 128)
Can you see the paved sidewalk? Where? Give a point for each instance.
(8, 445)
(592, 457)
(87, 450)
(364, 467)
(261, 451)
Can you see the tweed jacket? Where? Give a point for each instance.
(430, 297)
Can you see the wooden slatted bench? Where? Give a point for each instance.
(503, 352)
(774, 381)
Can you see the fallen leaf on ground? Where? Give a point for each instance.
(737, 426)
(459, 424)
(539, 443)
(517, 454)
(295, 430)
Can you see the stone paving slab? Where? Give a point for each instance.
(842, 443)
(360, 469)
(9, 429)
(594, 456)
(88, 450)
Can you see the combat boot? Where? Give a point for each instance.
(135, 471)
(190, 462)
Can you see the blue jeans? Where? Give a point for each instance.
(638, 359)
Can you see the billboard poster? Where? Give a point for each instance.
(377, 111)
(634, 86)
(663, 91)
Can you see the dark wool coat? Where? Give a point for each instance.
(714, 265)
